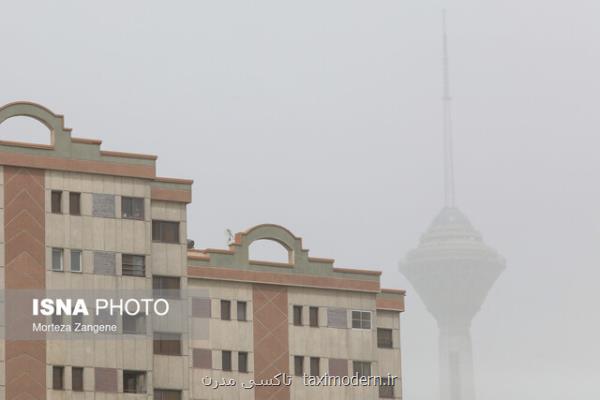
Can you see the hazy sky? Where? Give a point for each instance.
(325, 117)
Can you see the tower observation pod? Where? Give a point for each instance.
(452, 270)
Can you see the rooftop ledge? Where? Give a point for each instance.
(67, 153)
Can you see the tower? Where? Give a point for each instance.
(452, 270)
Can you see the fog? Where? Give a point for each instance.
(326, 117)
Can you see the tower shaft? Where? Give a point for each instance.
(456, 363)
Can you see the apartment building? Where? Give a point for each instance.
(78, 220)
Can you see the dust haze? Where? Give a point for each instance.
(326, 117)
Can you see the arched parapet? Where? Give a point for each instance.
(293, 244)
(60, 137)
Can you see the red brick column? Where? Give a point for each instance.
(271, 340)
(24, 232)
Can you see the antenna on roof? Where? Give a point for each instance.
(447, 124)
(229, 236)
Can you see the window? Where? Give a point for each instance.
(58, 374)
(132, 207)
(226, 310)
(74, 203)
(55, 201)
(361, 319)
(57, 319)
(386, 388)
(298, 315)
(241, 311)
(57, 259)
(133, 265)
(165, 231)
(166, 394)
(243, 361)
(168, 344)
(134, 381)
(314, 366)
(76, 321)
(134, 324)
(226, 360)
(77, 379)
(361, 368)
(384, 338)
(166, 286)
(313, 314)
(298, 365)
(75, 260)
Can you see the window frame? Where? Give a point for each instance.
(358, 368)
(134, 318)
(299, 368)
(226, 355)
(312, 366)
(382, 388)
(297, 311)
(314, 323)
(166, 292)
(243, 305)
(80, 257)
(165, 394)
(131, 266)
(243, 355)
(74, 387)
(136, 374)
(361, 319)
(132, 201)
(58, 385)
(161, 342)
(384, 344)
(61, 252)
(225, 310)
(158, 231)
(75, 198)
(56, 202)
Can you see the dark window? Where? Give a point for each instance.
(132, 207)
(55, 201)
(58, 374)
(75, 203)
(76, 321)
(133, 265)
(361, 368)
(241, 311)
(298, 365)
(134, 324)
(77, 379)
(361, 319)
(226, 310)
(384, 338)
(166, 286)
(75, 260)
(243, 362)
(165, 231)
(226, 360)
(167, 343)
(313, 314)
(386, 388)
(298, 315)
(166, 394)
(314, 366)
(57, 259)
(134, 381)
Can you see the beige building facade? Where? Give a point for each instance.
(78, 219)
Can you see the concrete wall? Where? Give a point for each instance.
(105, 234)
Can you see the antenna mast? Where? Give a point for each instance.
(447, 125)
